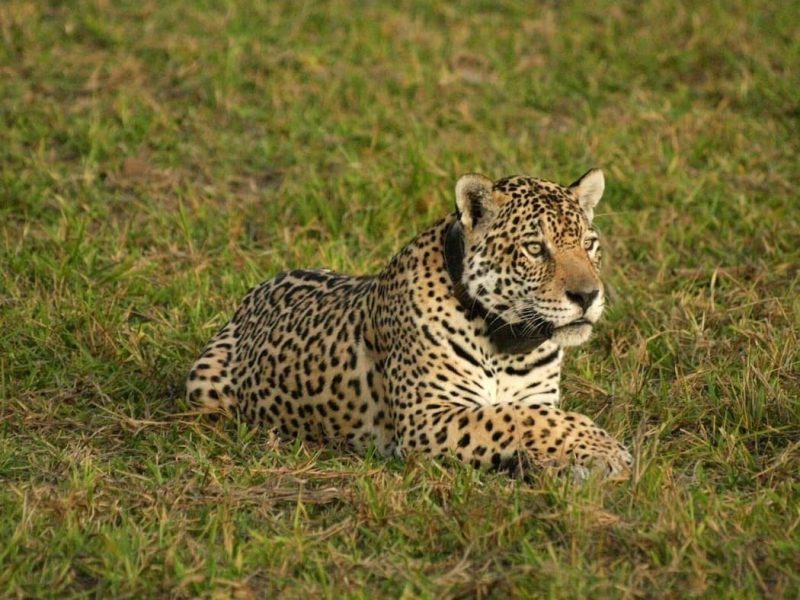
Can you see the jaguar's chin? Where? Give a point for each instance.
(572, 334)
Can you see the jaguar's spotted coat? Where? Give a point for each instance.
(454, 348)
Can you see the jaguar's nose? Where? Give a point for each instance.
(583, 298)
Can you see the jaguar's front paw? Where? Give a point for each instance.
(614, 462)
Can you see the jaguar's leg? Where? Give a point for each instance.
(503, 435)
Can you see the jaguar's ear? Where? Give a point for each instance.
(474, 199)
(589, 189)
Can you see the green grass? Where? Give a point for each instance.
(158, 159)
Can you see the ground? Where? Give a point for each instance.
(157, 159)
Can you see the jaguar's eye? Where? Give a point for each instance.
(534, 249)
(590, 244)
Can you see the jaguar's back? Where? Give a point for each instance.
(297, 356)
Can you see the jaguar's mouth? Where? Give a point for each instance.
(575, 325)
(573, 333)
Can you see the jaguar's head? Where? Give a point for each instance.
(531, 255)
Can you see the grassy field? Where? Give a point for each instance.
(158, 159)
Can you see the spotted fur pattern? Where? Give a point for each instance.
(396, 361)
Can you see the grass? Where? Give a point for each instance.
(158, 159)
